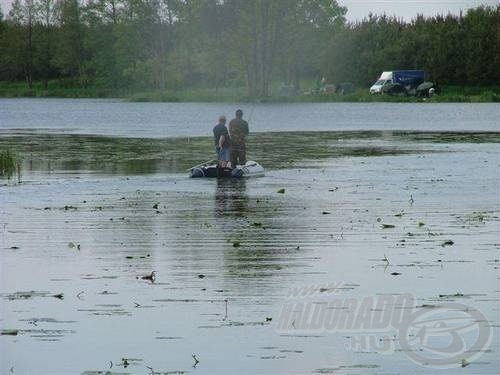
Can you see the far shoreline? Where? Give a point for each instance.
(450, 94)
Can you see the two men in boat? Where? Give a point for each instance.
(231, 146)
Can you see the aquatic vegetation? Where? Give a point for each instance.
(72, 245)
(281, 191)
(134, 156)
(387, 226)
(457, 294)
(10, 164)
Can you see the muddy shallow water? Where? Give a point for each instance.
(379, 212)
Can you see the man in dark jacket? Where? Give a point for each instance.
(238, 129)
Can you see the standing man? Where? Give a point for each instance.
(222, 142)
(238, 129)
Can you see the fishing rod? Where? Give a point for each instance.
(251, 112)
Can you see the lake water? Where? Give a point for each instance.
(118, 118)
(368, 204)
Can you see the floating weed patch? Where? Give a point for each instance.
(447, 243)
(9, 332)
(457, 294)
(30, 294)
(335, 370)
(388, 226)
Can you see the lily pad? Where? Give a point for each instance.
(9, 332)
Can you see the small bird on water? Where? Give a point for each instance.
(151, 277)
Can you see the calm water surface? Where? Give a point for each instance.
(94, 214)
(118, 118)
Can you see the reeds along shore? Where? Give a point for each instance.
(10, 164)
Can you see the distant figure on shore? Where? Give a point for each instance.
(238, 130)
(222, 142)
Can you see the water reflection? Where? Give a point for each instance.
(231, 198)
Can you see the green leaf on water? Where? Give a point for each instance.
(9, 332)
(281, 191)
(236, 243)
(387, 226)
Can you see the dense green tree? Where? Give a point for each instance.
(46, 14)
(21, 48)
(69, 54)
(308, 27)
(173, 44)
(460, 49)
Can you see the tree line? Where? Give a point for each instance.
(179, 44)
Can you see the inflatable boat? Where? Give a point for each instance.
(210, 169)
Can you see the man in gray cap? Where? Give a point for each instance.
(222, 142)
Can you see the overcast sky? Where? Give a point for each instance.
(407, 9)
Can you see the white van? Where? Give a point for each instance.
(385, 77)
(406, 78)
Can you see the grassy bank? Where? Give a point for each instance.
(450, 94)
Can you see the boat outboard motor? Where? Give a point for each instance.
(197, 172)
(237, 172)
